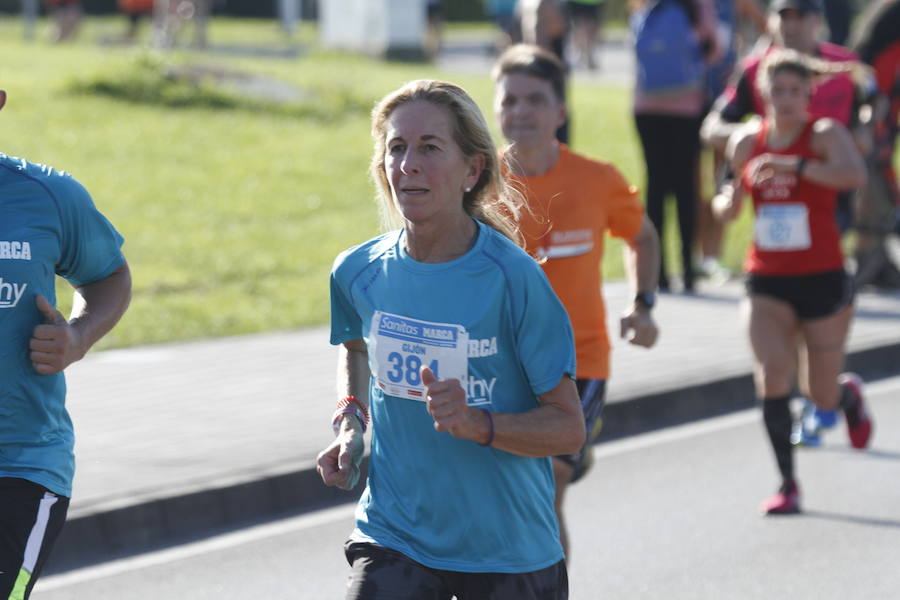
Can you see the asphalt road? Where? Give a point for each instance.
(670, 514)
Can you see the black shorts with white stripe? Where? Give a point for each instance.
(31, 518)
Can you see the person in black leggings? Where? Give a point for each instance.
(668, 113)
(671, 146)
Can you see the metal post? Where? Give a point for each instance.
(161, 24)
(30, 14)
(289, 13)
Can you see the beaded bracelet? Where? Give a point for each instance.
(350, 405)
(490, 417)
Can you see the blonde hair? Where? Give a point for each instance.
(808, 68)
(491, 200)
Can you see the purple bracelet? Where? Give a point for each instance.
(490, 417)
(338, 416)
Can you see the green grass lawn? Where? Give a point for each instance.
(233, 215)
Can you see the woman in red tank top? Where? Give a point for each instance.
(798, 291)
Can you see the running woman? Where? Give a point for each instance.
(794, 166)
(456, 351)
(572, 203)
(48, 226)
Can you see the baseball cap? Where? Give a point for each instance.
(805, 6)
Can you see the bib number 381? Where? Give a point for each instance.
(401, 346)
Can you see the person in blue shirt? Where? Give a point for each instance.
(48, 226)
(456, 351)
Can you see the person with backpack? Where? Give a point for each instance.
(674, 40)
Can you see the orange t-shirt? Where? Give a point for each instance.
(572, 206)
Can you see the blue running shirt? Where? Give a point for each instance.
(449, 503)
(48, 226)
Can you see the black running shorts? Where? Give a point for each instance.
(31, 518)
(593, 398)
(580, 10)
(811, 296)
(380, 573)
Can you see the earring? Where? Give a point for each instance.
(468, 189)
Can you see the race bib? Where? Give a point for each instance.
(400, 346)
(782, 227)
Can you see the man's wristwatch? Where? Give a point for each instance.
(645, 299)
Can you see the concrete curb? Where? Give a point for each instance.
(163, 522)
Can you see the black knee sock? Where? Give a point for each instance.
(850, 404)
(778, 419)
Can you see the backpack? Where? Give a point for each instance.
(669, 57)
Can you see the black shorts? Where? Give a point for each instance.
(380, 573)
(580, 10)
(31, 518)
(434, 11)
(593, 398)
(811, 296)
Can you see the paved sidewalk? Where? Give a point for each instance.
(183, 440)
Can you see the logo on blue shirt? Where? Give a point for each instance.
(11, 293)
(417, 331)
(13, 250)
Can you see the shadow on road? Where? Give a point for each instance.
(870, 452)
(831, 516)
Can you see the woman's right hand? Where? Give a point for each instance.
(338, 464)
(724, 206)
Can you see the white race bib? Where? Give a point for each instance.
(782, 227)
(400, 346)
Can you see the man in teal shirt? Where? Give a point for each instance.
(48, 227)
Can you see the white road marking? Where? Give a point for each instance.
(345, 512)
(220, 542)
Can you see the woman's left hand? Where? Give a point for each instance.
(766, 166)
(447, 405)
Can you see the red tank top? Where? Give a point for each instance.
(795, 231)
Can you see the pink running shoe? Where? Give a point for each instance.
(859, 426)
(785, 502)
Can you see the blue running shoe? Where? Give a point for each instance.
(827, 419)
(805, 431)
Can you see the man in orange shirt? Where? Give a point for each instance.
(573, 202)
